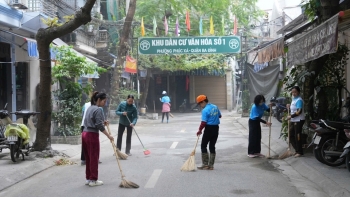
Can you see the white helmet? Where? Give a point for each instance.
(164, 92)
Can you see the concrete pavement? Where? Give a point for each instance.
(331, 180)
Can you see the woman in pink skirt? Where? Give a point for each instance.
(166, 106)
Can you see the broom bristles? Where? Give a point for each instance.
(128, 184)
(190, 164)
(288, 153)
(121, 155)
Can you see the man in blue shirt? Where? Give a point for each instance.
(210, 122)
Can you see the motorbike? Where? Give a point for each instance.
(279, 107)
(16, 139)
(193, 107)
(328, 141)
(346, 152)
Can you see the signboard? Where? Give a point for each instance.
(318, 42)
(190, 45)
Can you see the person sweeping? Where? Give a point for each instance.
(126, 111)
(256, 113)
(94, 122)
(210, 123)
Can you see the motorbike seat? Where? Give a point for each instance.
(322, 130)
(338, 125)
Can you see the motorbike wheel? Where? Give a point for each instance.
(347, 162)
(14, 152)
(318, 155)
(326, 144)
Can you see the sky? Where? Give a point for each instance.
(267, 4)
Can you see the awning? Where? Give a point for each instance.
(59, 43)
(32, 21)
(294, 23)
(271, 51)
(316, 43)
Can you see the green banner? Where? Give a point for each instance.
(190, 45)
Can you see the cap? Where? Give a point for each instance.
(164, 92)
(201, 98)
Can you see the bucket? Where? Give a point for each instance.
(155, 116)
(143, 110)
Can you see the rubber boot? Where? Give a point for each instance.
(211, 161)
(205, 160)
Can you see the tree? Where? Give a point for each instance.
(44, 37)
(123, 45)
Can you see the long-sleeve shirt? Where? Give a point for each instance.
(94, 119)
(131, 113)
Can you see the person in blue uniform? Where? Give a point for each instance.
(210, 123)
(256, 113)
(297, 119)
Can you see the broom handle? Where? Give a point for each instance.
(288, 131)
(136, 133)
(115, 152)
(270, 129)
(196, 143)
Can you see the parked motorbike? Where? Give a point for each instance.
(329, 141)
(346, 152)
(194, 107)
(16, 139)
(3, 122)
(279, 107)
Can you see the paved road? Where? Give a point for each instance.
(158, 174)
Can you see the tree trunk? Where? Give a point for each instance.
(145, 92)
(123, 45)
(45, 107)
(44, 37)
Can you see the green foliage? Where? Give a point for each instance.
(310, 7)
(70, 65)
(69, 113)
(51, 22)
(331, 79)
(68, 68)
(122, 95)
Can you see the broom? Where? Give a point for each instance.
(124, 183)
(145, 151)
(269, 156)
(119, 154)
(190, 164)
(288, 153)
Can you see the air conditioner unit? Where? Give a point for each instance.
(18, 4)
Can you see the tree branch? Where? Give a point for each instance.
(81, 17)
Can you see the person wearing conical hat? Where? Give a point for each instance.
(210, 123)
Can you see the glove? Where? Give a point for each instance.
(199, 133)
